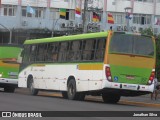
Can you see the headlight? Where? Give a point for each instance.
(0, 75)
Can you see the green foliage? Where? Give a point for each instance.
(158, 56)
(147, 31)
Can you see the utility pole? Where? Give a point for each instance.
(85, 16)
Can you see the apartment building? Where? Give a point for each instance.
(17, 24)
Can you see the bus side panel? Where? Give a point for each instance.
(71, 70)
(22, 78)
(96, 82)
(58, 74)
(38, 76)
(52, 76)
(94, 75)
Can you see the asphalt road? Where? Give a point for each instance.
(23, 101)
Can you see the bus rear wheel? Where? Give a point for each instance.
(110, 97)
(9, 89)
(33, 91)
(72, 93)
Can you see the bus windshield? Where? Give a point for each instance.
(130, 44)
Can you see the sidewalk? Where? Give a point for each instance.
(143, 98)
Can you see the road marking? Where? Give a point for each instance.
(92, 98)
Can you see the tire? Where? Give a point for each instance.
(9, 89)
(110, 98)
(71, 90)
(64, 95)
(72, 93)
(33, 91)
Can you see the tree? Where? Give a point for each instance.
(158, 56)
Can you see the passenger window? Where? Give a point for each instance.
(26, 53)
(40, 52)
(53, 48)
(74, 51)
(100, 49)
(33, 52)
(63, 51)
(88, 49)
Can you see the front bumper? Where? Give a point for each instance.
(8, 81)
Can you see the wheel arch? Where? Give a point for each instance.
(70, 78)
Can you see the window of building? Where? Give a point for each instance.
(144, 0)
(9, 10)
(67, 14)
(54, 13)
(39, 13)
(141, 19)
(72, 15)
(119, 18)
(24, 12)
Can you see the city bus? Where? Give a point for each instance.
(108, 64)
(9, 66)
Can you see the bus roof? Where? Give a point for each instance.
(68, 38)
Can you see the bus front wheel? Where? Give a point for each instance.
(33, 91)
(110, 97)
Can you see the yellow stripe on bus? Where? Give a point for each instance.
(131, 61)
(107, 47)
(39, 65)
(90, 67)
(8, 65)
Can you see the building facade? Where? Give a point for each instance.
(17, 24)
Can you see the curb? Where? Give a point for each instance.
(125, 102)
(139, 103)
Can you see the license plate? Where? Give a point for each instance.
(132, 87)
(129, 77)
(13, 77)
(13, 73)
